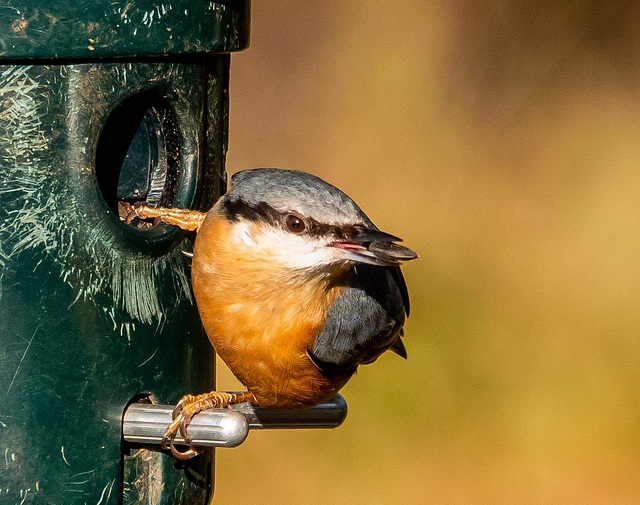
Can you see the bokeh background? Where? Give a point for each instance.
(501, 140)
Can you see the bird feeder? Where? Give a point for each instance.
(103, 102)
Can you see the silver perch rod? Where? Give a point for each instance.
(145, 423)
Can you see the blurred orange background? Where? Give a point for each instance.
(501, 140)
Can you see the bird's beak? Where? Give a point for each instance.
(374, 247)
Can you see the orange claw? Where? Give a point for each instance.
(187, 408)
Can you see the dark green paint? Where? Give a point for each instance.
(45, 29)
(94, 313)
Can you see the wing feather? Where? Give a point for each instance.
(365, 319)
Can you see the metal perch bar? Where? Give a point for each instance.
(145, 423)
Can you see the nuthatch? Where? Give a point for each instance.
(296, 288)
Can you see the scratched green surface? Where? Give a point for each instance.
(44, 29)
(93, 312)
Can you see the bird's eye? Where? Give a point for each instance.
(295, 224)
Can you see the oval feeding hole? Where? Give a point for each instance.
(138, 154)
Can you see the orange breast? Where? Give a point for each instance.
(261, 318)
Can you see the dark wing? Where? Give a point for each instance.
(365, 320)
(402, 286)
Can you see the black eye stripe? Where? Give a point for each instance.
(235, 209)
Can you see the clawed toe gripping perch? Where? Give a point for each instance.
(189, 406)
(185, 219)
(145, 423)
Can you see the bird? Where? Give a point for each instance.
(295, 286)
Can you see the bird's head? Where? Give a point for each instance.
(296, 220)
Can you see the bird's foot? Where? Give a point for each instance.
(128, 212)
(185, 219)
(189, 406)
